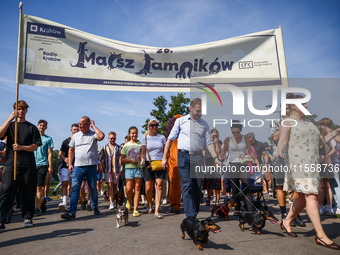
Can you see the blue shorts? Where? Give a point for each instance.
(99, 176)
(132, 173)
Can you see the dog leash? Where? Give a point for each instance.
(241, 191)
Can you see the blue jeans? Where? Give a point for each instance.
(335, 186)
(191, 187)
(78, 174)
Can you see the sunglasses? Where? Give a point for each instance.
(236, 133)
(153, 125)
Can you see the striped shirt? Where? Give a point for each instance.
(110, 158)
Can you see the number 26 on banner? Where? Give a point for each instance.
(164, 51)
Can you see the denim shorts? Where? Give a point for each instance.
(132, 173)
(65, 174)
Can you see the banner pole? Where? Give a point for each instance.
(17, 95)
(284, 56)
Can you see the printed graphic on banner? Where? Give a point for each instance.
(60, 56)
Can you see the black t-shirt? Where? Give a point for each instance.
(28, 134)
(259, 148)
(64, 148)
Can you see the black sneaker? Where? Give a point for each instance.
(37, 212)
(89, 207)
(175, 210)
(68, 216)
(83, 205)
(28, 223)
(96, 211)
(298, 221)
(43, 206)
(2, 227)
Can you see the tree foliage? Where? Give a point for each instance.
(55, 157)
(164, 112)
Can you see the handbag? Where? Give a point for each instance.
(156, 165)
(245, 159)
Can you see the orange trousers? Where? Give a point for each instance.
(175, 183)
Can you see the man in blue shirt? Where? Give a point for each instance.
(193, 136)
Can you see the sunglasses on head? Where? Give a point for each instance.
(153, 125)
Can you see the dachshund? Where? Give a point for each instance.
(198, 230)
(223, 210)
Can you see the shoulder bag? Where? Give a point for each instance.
(156, 165)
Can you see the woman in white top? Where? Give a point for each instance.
(152, 149)
(237, 145)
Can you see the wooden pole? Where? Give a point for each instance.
(17, 95)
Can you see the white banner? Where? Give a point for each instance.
(55, 55)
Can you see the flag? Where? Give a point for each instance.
(56, 55)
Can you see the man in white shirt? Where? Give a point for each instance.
(84, 148)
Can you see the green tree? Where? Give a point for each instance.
(163, 112)
(312, 118)
(55, 157)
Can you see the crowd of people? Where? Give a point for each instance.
(141, 168)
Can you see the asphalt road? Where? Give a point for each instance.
(90, 234)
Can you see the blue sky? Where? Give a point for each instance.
(310, 33)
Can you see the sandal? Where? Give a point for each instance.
(149, 210)
(136, 214)
(128, 206)
(157, 216)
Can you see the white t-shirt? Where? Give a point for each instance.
(86, 148)
(155, 146)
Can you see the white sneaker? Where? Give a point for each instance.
(111, 207)
(164, 201)
(28, 223)
(63, 207)
(337, 211)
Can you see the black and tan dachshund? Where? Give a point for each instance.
(256, 219)
(223, 210)
(198, 230)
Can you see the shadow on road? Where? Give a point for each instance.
(41, 237)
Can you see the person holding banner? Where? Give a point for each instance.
(84, 148)
(28, 141)
(193, 136)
